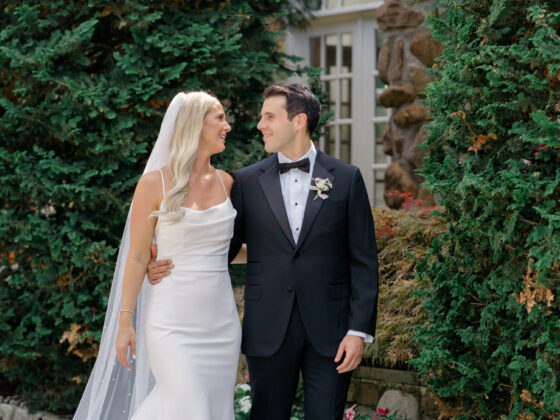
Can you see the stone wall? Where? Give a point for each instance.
(11, 409)
(395, 390)
(407, 50)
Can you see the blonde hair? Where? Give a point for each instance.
(183, 150)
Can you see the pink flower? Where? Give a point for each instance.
(247, 377)
(349, 414)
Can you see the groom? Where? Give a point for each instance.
(311, 285)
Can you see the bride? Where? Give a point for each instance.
(177, 342)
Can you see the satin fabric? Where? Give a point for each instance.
(192, 328)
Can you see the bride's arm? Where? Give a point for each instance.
(145, 201)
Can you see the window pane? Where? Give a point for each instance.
(379, 156)
(355, 2)
(330, 143)
(346, 98)
(345, 147)
(380, 110)
(315, 4)
(379, 85)
(379, 38)
(332, 4)
(330, 45)
(378, 187)
(315, 52)
(346, 53)
(332, 94)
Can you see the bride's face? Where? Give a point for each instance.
(214, 130)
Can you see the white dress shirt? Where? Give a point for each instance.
(295, 190)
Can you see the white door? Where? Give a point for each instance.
(343, 39)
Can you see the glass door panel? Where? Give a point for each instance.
(335, 53)
(346, 98)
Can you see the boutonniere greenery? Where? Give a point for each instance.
(322, 185)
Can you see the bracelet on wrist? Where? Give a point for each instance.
(127, 310)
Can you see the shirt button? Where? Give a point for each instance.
(296, 180)
(296, 204)
(297, 229)
(290, 289)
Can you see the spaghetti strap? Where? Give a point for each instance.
(222, 181)
(162, 182)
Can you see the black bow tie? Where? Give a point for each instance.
(302, 165)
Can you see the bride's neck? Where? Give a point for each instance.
(201, 166)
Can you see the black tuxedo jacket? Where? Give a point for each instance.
(332, 269)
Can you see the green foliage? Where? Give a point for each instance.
(84, 88)
(492, 345)
(403, 238)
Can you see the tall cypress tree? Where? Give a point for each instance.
(493, 344)
(84, 88)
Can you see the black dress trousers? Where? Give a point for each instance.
(274, 379)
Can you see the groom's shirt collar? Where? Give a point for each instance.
(311, 154)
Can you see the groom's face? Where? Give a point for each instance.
(279, 133)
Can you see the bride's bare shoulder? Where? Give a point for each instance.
(227, 178)
(150, 184)
(152, 178)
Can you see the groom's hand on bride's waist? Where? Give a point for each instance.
(157, 270)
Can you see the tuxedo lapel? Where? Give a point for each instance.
(314, 205)
(270, 184)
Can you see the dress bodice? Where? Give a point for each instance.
(199, 241)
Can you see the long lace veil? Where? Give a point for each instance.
(112, 392)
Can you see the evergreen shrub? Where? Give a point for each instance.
(491, 347)
(84, 88)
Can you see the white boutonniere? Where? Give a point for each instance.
(322, 185)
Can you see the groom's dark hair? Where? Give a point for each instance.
(299, 100)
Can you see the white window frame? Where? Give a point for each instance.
(359, 21)
(324, 11)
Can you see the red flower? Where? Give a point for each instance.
(381, 412)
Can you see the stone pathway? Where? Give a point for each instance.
(13, 410)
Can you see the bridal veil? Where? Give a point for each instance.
(113, 392)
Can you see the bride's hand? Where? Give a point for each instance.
(126, 337)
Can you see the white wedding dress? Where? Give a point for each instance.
(192, 328)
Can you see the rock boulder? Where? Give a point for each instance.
(410, 115)
(395, 96)
(425, 48)
(405, 403)
(383, 61)
(392, 15)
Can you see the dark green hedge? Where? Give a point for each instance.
(493, 346)
(84, 87)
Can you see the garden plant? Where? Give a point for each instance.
(84, 86)
(404, 238)
(491, 347)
